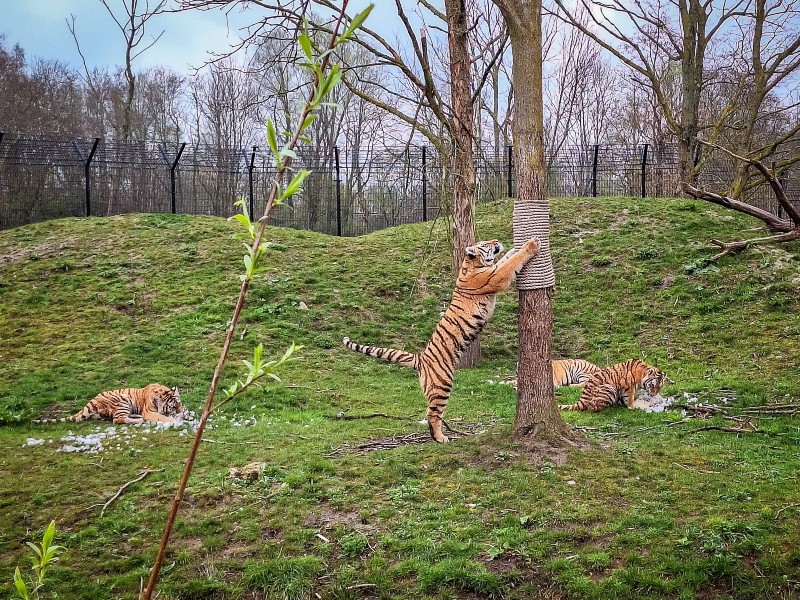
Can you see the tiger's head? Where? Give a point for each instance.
(653, 381)
(483, 254)
(167, 400)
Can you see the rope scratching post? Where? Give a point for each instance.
(532, 219)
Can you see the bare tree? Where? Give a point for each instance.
(537, 414)
(224, 97)
(428, 81)
(162, 104)
(649, 39)
(132, 23)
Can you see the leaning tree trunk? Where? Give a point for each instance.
(462, 172)
(537, 413)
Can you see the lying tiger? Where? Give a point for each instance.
(131, 406)
(617, 384)
(572, 372)
(479, 282)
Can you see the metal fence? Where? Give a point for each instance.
(350, 192)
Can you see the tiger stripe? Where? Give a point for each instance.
(480, 280)
(617, 384)
(130, 406)
(572, 371)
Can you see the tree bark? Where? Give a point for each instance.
(462, 173)
(537, 413)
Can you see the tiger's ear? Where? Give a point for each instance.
(174, 388)
(470, 252)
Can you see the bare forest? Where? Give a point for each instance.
(709, 89)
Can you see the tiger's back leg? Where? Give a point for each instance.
(123, 416)
(436, 384)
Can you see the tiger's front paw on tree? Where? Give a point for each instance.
(531, 246)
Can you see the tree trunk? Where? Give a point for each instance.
(462, 173)
(693, 24)
(537, 413)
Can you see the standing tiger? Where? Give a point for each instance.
(617, 384)
(131, 406)
(479, 281)
(572, 371)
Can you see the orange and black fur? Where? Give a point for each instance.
(572, 371)
(617, 384)
(131, 406)
(479, 281)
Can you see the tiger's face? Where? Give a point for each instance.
(483, 254)
(168, 401)
(654, 381)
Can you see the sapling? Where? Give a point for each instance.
(323, 82)
(44, 555)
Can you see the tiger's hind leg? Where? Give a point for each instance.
(436, 384)
(124, 417)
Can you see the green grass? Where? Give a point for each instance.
(650, 510)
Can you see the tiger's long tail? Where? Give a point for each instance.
(83, 415)
(390, 354)
(73, 419)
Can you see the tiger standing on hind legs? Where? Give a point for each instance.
(479, 281)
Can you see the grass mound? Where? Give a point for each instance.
(654, 509)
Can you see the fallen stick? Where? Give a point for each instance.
(712, 409)
(144, 474)
(454, 430)
(343, 417)
(727, 429)
(668, 424)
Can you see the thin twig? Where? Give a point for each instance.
(221, 442)
(341, 416)
(778, 514)
(669, 424)
(449, 428)
(728, 429)
(709, 409)
(108, 503)
(360, 586)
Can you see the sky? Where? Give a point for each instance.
(40, 28)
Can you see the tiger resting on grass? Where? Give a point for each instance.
(131, 406)
(572, 371)
(479, 281)
(617, 384)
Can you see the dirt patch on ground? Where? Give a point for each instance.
(520, 570)
(531, 449)
(326, 517)
(39, 250)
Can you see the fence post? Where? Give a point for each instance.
(510, 171)
(338, 193)
(594, 170)
(172, 169)
(424, 184)
(87, 161)
(250, 167)
(644, 171)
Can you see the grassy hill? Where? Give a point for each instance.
(654, 509)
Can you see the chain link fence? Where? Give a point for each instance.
(350, 192)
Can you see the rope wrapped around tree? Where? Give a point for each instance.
(532, 219)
